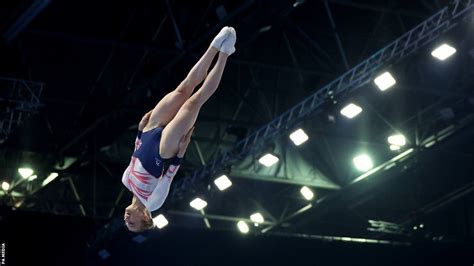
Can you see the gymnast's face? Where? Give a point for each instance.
(134, 218)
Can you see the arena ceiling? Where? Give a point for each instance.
(99, 66)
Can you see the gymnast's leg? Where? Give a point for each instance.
(167, 107)
(187, 114)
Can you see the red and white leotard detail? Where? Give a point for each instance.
(149, 189)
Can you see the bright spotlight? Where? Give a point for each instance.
(351, 110)
(298, 137)
(363, 162)
(33, 177)
(50, 178)
(307, 193)
(160, 221)
(398, 140)
(394, 147)
(243, 227)
(257, 218)
(268, 159)
(384, 81)
(443, 52)
(25, 172)
(222, 182)
(5, 185)
(198, 204)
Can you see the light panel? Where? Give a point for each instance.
(257, 218)
(443, 51)
(160, 221)
(268, 159)
(394, 147)
(198, 204)
(363, 162)
(385, 81)
(50, 178)
(298, 137)
(351, 110)
(222, 182)
(5, 185)
(398, 140)
(307, 193)
(243, 227)
(25, 172)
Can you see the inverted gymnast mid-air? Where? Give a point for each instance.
(164, 134)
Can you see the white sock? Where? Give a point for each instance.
(227, 46)
(220, 37)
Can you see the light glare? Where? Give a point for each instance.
(222, 182)
(160, 221)
(307, 193)
(351, 110)
(268, 160)
(243, 227)
(363, 162)
(5, 185)
(50, 178)
(384, 81)
(443, 52)
(198, 204)
(298, 137)
(25, 172)
(257, 218)
(398, 140)
(394, 147)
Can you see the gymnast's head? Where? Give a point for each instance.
(137, 218)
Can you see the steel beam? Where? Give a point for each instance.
(18, 98)
(215, 217)
(336, 35)
(409, 43)
(397, 161)
(22, 22)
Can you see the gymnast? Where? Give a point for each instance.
(165, 132)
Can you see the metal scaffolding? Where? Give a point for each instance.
(407, 44)
(19, 98)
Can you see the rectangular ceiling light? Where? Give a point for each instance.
(5, 185)
(351, 110)
(363, 163)
(384, 81)
(307, 193)
(222, 182)
(257, 218)
(268, 159)
(394, 147)
(50, 178)
(198, 204)
(443, 52)
(243, 227)
(298, 137)
(160, 221)
(398, 140)
(25, 172)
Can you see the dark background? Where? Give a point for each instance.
(101, 65)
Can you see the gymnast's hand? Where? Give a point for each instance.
(144, 121)
(183, 143)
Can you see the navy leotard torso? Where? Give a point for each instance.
(148, 152)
